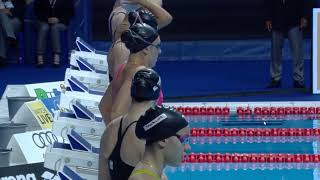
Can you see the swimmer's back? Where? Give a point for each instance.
(130, 141)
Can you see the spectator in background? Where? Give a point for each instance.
(53, 15)
(11, 21)
(287, 17)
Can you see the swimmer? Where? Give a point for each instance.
(150, 13)
(121, 150)
(166, 133)
(144, 44)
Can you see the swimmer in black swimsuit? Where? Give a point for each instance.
(167, 138)
(121, 150)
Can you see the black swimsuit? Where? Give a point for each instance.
(118, 169)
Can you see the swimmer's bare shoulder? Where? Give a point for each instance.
(109, 137)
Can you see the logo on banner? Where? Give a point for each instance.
(44, 139)
(52, 104)
(31, 176)
(42, 114)
(42, 94)
(26, 172)
(49, 93)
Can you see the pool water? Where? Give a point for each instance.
(191, 171)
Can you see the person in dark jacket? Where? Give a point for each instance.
(53, 15)
(287, 17)
(11, 21)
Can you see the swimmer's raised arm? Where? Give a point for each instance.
(159, 2)
(122, 101)
(103, 168)
(105, 105)
(106, 139)
(163, 17)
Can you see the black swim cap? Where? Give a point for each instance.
(145, 85)
(138, 37)
(143, 15)
(159, 123)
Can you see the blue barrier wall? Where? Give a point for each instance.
(220, 50)
(81, 25)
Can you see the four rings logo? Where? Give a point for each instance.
(43, 139)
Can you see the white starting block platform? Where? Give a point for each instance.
(85, 81)
(86, 61)
(90, 130)
(83, 105)
(77, 173)
(60, 155)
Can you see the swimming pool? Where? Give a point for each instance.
(252, 140)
